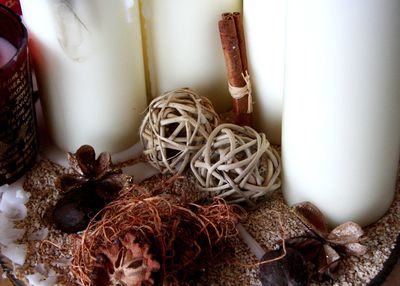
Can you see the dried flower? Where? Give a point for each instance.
(99, 172)
(87, 189)
(124, 263)
(322, 248)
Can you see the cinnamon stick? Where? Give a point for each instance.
(233, 59)
(242, 42)
(230, 46)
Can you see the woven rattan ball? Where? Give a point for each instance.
(238, 164)
(176, 126)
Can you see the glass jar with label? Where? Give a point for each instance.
(18, 136)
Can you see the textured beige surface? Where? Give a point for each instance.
(265, 227)
(393, 279)
(380, 238)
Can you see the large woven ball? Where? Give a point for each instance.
(176, 126)
(238, 164)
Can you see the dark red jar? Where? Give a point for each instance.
(18, 134)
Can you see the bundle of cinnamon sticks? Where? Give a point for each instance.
(234, 47)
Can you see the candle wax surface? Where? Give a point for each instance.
(7, 51)
(265, 28)
(184, 47)
(89, 65)
(341, 119)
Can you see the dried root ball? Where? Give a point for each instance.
(150, 239)
(237, 164)
(176, 126)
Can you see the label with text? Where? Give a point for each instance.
(18, 135)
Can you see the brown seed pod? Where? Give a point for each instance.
(86, 189)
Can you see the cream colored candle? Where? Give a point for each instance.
(265, 23)
(89, 63)
(341, 119)
(184, 47)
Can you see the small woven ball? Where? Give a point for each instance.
(238, 164)
(176, 126)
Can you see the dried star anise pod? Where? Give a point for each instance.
(91, 184)
(322, 248)
(124, 263)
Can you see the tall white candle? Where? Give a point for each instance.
(265, 24)
(7, 51)
(89, 63)
(341, 119)
(184, 47)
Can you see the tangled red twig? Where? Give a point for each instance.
(182, 238)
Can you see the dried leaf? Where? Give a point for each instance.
(323, 249)
(108, 188)
(73, 163)
(67, 182)
(312, 217)
(103, 165)
(330, 254)
(329, 261)
(329, 271)
(356, 249)
(308, 246)
(345, 233)
(85, 160)
(290, 270)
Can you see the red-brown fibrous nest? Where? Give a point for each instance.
(172, 241)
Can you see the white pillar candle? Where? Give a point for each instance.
(341, 119)
(7, 51)
(265, 23)
(184, 47)
(89, 63)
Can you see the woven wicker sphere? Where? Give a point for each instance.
(238, 164)
(176, 126)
